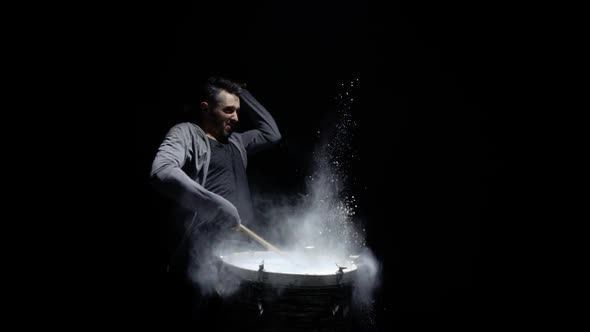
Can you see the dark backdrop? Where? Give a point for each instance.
(433, 106)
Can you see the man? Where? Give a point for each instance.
(202, 168)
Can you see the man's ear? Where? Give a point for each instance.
(204, 106)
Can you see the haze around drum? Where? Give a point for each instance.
(323, 217)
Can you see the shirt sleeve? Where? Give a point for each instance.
(168, 177)
(266, 132)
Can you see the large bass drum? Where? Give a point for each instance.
(287, 291)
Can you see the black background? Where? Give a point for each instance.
(435, 103)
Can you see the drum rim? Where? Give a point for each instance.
(289, 279)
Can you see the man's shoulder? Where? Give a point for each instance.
(188, 128)
(236, 138)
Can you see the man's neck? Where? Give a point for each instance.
(222, 140)
(208, 131)
(211, 136)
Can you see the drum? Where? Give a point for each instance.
(288, 291)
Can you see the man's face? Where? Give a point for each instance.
(223, 116)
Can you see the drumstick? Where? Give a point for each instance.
(259, 239)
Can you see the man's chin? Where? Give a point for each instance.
(227, 134)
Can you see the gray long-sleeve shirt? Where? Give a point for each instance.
(180, 167)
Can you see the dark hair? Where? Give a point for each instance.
(215, 85)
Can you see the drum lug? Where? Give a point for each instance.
(340, 273)
(261, 272)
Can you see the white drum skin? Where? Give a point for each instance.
(289, 268)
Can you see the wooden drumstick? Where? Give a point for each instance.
(258, 239)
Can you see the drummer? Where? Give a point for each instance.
(201, 166)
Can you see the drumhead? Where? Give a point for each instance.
(290, 268)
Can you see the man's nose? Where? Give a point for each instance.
(234, 117)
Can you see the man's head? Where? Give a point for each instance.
(219, 107)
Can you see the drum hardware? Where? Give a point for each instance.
(261, 272)
(260, 308)
(340, 273)
(260, 279)
(335, 310)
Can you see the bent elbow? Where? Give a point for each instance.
(276, 137)
(159, 174)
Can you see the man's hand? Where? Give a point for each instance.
(227, 217)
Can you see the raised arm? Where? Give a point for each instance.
(266, 132)
(168, 177)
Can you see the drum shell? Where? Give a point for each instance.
(289, 302)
